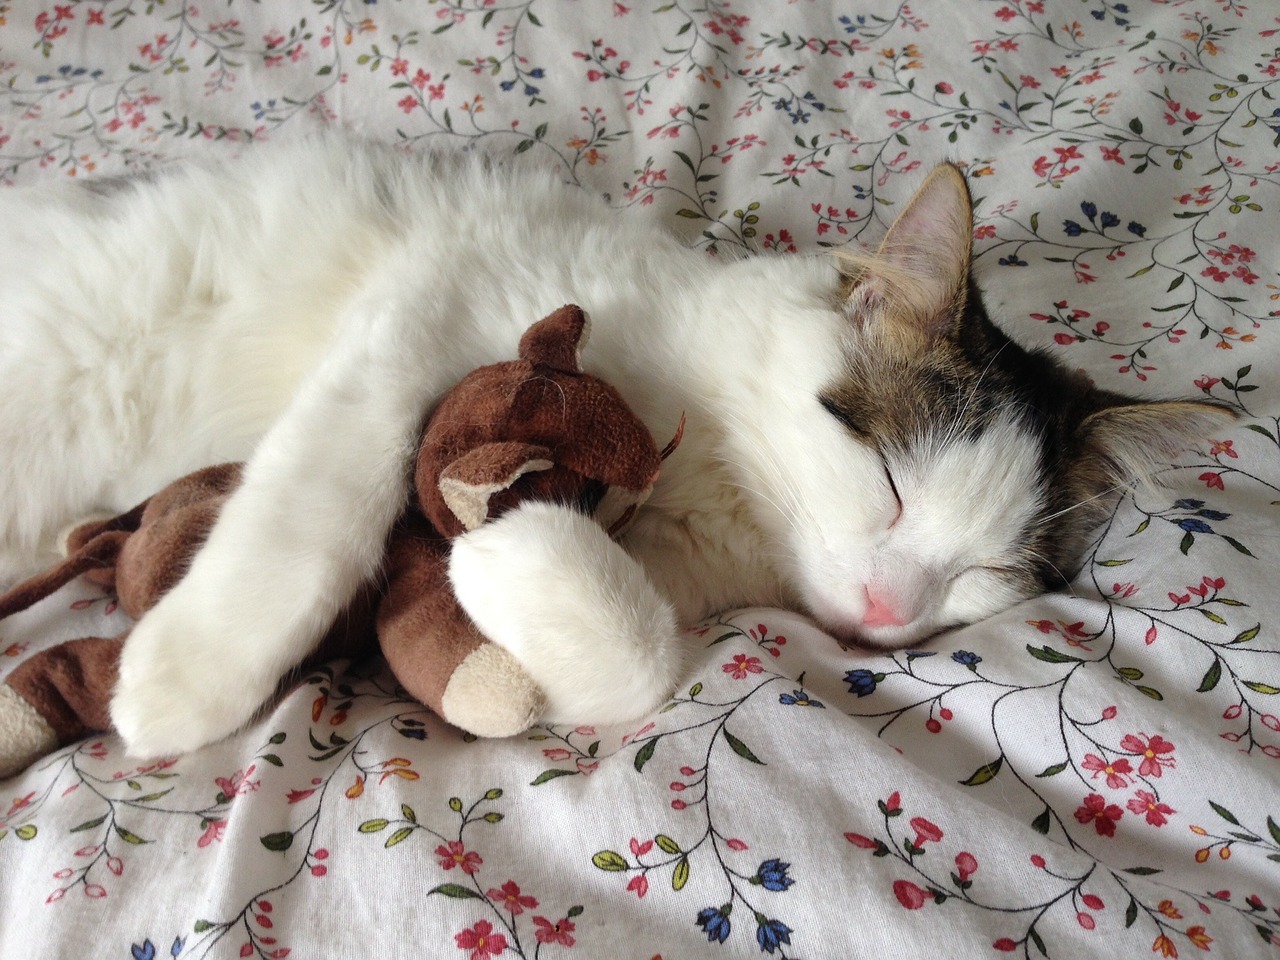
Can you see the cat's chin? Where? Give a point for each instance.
(861, 637)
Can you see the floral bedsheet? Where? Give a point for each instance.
(1093, 774)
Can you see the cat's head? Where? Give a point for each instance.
(942, 473)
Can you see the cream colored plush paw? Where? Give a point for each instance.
(491, 695)
(24, 736)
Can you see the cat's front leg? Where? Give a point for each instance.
(574, 608)
(307, 525)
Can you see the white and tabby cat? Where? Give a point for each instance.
(862, 443)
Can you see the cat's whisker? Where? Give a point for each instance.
(1102, 494)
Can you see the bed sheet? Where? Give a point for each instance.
(1092, 774)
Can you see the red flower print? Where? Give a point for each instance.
(1117, 771)
(925, 831)
(639, 885)
(909, 895)
(1223, 448)
(1145, 802)
(858, 840)
(1005, 945)
(510, 898)
(455, 855)
(212, 833)
(1101, 814)
(742, 665)
(238, 783)
(549, 932)
(966, 865)
(1152, 750)
(1212, 480)
(481, 941)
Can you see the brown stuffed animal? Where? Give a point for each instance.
(533, 428)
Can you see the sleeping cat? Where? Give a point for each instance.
(862, 443)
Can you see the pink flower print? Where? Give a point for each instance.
(455, 855)
(1223, 448)
(1101, 814)
(742, 665)
(1117, 771)
(1145, 802)
(909, 895)
(926, 831)
(239, 783)
(559, 932)
(481, 941)
(511, 899)
(966, 865)
(639, 885)
(1153, 751)
(213, 833)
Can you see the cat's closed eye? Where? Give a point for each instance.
(845, 417)
(859, 430)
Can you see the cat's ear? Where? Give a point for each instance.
(919, 277)
(1137, 439)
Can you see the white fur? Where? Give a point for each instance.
(306, 307)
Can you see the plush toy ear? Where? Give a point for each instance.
(557, 340)
(469, 482)
(918, 278)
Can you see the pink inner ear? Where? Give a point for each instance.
(921, 267)
(557, 340)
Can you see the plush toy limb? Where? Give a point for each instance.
(56, 697)
(436, 653)
(98, 553)
(25, 737)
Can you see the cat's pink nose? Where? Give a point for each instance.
(882, 611)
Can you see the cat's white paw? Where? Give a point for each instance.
(182, 684)
(581, 616)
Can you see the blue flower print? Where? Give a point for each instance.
(970, 660)
(861, 682)
(772, 875)
(715, 923)
(798, 698)
(771, 933)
